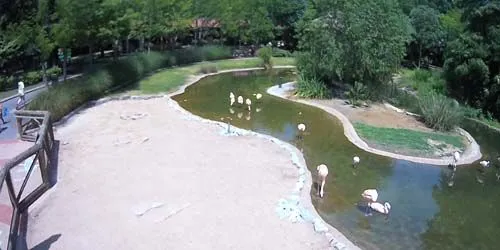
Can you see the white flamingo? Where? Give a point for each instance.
(231, 95)
(484, 164)
(355, 161)
(232, 101)
(381, 208)
(301, 127)
(240, 99)
(231, 110)
(258, 96)
(322, 173)
(370, 195)
(249, 103)
(456, 157)
(240, 115)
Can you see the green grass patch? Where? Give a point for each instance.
(169, 79)
(406, 138)
(423, 81)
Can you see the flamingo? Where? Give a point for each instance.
(322, 173)
(355, 161)
(240, 99)
(370, 194)
(456, 157)
(231, 110)
(232, 101)
(249, 103)
(258, 96)
(301, 127)
(231, 95)
(383, 209)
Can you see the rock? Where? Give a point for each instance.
(319, 226)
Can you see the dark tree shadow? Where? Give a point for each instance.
(45, 245)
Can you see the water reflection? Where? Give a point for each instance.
(427, 213)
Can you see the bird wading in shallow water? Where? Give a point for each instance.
(322, 174)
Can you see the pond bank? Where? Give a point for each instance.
(471, 154)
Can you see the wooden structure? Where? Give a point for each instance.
(34, 126)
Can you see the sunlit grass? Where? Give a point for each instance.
(405, 139)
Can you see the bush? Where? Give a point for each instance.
(208, 68)
(213, 52)
(421, 75)
(265, 54)
(440, 112)
(62, 99)
(33, 77)
(54, 73)
(357, 93)
(277, 52)
(311, 88)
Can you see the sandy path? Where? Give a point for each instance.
(228, 186)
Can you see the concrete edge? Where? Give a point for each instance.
(471, 154)
(336, 239)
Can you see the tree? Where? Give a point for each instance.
(451, 24)
(427, 35)
(353, 41)
(42, 39)
(284, 15)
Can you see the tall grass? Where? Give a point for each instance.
(424, 81)
(440, 112)
(62, 99)
(311, 88)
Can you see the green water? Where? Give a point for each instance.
(426, 213)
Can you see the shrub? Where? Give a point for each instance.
(357, 93)
(440, 112)
(311, 88)
(214, 52)
(54, 73)
(265, 54)
(421, 75)
(277, 52)
(33, 77)
(62, 99)
(208, 68)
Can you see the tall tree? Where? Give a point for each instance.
(428, 34)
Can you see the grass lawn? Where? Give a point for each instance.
(171, 78)
(405, 139)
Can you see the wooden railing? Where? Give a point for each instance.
(34, 126)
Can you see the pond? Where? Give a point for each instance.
(426, 212)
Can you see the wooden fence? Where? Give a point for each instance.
(33, 126)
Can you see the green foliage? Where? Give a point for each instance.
(424, 81)
(265, 54)
(452, 24)
(32, 78)
(427, 35)
(277, 52)
(214, 52)
(311, 88)
(54, 72)
(440, 112)
(353, 41)
(357, 93)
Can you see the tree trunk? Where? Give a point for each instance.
(65, 67)
(102, 52)
(127, 45)
(141, 44)
(115, 49)
(419, 54)
(91, 53)
(44, 74)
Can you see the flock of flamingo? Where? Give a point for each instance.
(370, 196)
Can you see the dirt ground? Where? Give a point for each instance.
(210, 191)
